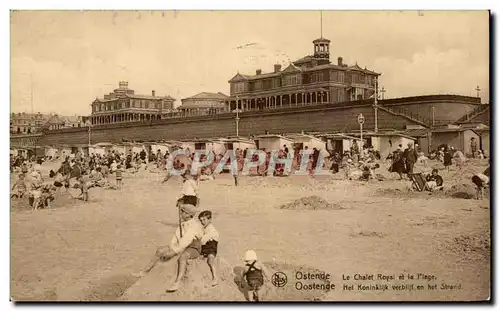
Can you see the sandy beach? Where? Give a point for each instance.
(86, 251)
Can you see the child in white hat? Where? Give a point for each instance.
(253, 275)
(481, 180)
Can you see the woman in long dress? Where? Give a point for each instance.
(398, 164)
(448, 155)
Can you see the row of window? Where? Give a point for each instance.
(20, 122)
(24, 122)
(20, 130)
(287, 80)
(134, 103)
(362, 79)
(291, 80)
(321, 48)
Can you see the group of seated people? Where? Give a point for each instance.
(434, 181)
(40, 193)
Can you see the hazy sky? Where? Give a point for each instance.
(75, 57)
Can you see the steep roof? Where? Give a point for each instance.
(291, 68)
(294, 67)
(357, 68)
(239, 77)
(54, 120)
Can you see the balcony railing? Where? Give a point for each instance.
(296, 107)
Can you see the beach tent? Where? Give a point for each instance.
(386, 141)
(271, 142)
(64, 151)
(105, 145)
(120, 148)
(459, 138)
(217, 146)
(137, 148)
(304, 140)
(97, 150)
(233, 143)
(50, 151)
(163, 147)
(337, 142)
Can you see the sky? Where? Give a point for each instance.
(68, 58)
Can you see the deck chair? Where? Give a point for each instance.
(418, 182)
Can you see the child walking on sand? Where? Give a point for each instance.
(253, 275)
(209, 242)
(481, 181)
(119, 176)
(84, 188)
(19, 187)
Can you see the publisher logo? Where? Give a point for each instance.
(279, 279)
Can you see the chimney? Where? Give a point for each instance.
(153, 92)
(277, 68)
(339, 61)
(258, 72)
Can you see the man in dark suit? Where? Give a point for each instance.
(411, 157)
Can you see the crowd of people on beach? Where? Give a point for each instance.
(196, 235)
(403, 163)
(76, 171)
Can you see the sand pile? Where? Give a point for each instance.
(462, 191)
(311, 203)
(196, 285)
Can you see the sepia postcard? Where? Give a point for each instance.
(250, 156)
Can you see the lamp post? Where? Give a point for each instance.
(237, 118)
(375, 106)
(89, 124)
(361, 121)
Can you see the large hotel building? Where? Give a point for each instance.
(310, 80)
(123, 105)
